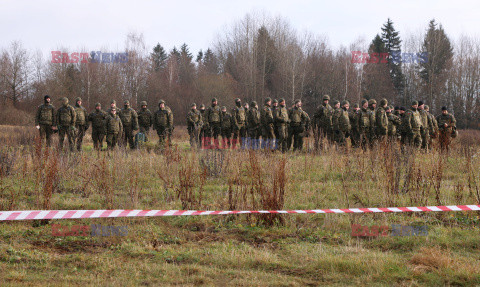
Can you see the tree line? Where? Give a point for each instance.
(254, 58)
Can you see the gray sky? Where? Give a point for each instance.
(96, 25)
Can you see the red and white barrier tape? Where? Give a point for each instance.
(75, 214)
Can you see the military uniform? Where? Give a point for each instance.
(371, 114)
(214, 118)
(394, 122)
(66, 117)
(266, 121)
(381, 121)
(281, 122)
(204, 130)
(446, 126)
(114, 127)
(299, 121)
(45, 119)
(433, 127)
(239, 124)
(129, 119)
(163, 123)
(363, 119)
(341, 125)
(355, 133)
(226, 129)
(194, 124)
(81, 123)
(253, 126)
(412, 125)
(323, 122)
(426, 126)
(97, 118)
(145, 119)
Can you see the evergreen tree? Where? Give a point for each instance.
(158, 57)
(392, 42)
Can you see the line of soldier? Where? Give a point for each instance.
(367, 125)
(115, 125)
(277, 125)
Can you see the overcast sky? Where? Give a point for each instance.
(96, 25)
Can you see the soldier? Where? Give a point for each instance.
(66, 123)
(341, 125)
(45, 120)
(113, 104)
(253, 126)
(372, 105)
(81, 123)
(413, 125)
(97, 118)
(355, 133)
(433, 129)
(145, 119)
(289, 128)
(336, 113)
(194, 125)
(130, 123)
(226, 129)
(299, 122)
(426, 125)
(204, 129)
(323, 122)
(239, 129)
(163, 123)
(214, 118)
(447, 128)
(266, 121)
(363, 119)
(281, 121)
(394, 121)
(114, 127)
(381, 121)
(275, 131)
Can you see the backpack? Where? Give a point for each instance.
(140, 139)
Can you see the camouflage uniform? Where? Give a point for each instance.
(412, 124)
(371, 113)
(275, 131)
(426, 126)
(323, 122)
(433, 128)
(129, 119)
(341, 124)
(446, 127)
(97, 118)
(239, 125)
(226, 128)
(204, 129)
(266, 121)
(381, 121)
(363, 119)
(145, 119)
(394, 121)
(45, 120)
(214, 118)
(281, 121)
(163, 123)
(81, 123)
(194, 124)
(299, 123)
(66, 117)
(355, 133)
(113, 127)
(253, 125)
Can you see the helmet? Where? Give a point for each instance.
(98, 105)
(356, 106)
(281, 100)
(143, 103)
(372, 102)
(268, 100)
(364, 101)
(345, 103)
(426, 107)
(64, 100)
(193, 105)
(326, 98)
(274, 101)
(202, 106)
(237, 100)
(113, 102)
(214, 100)
(383, 102)
(414, 103)
(335, 102)
(161, 102)
(253, 104)
(78, 99)
(224, 108)
(127, 102)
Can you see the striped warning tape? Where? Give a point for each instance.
(75, 214)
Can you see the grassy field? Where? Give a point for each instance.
(243, 250)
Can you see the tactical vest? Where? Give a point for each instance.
(214, 114)
(80, 116)
(65, 116)
(253, 117)
(161, 118)
(240, 115)
(126, 116)
(364, 119)
(46, 115)
(194, 116)
(98, 119)
(144, 118)
(113, 124)
(416, 121)
(296, 116)
(226, 121)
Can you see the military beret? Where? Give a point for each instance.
(274, 101)
(193, 105)
(335, 102)
(402, 108)
(420, 103)
(397, 108)
(78, 99)
(281, 100)
(46, 97)
(364, 101)
(372, 102)
(444, 108)
(98, 105)
(214, 100)
(202, 106)
(161, 102)
(356, 106)
(237, 100)
(326, 98)
(414, 103)
(224, 108)
(267, 100)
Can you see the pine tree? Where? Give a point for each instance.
(391, 40)
(158, 57)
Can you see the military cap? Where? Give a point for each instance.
(253, 104)
(372, 102)
(356, 106)
(193, 105)
(237, 100)
(274, 101)
(64, 100)
(224, 108)
(113, 102)
(383, 102)
(98, 105)
(414, 103)
(297, 101)
(126, 102)
(364, 101)
(214, 100)
(202, 106)
(326, 98)
(78, 99)
(345, 103)
(444, 108)
(267, 100)
(46, 97)
(143, 103)
(426, 107)
(420, 103)
(281, 100)
(161, 102)
(335, 102)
